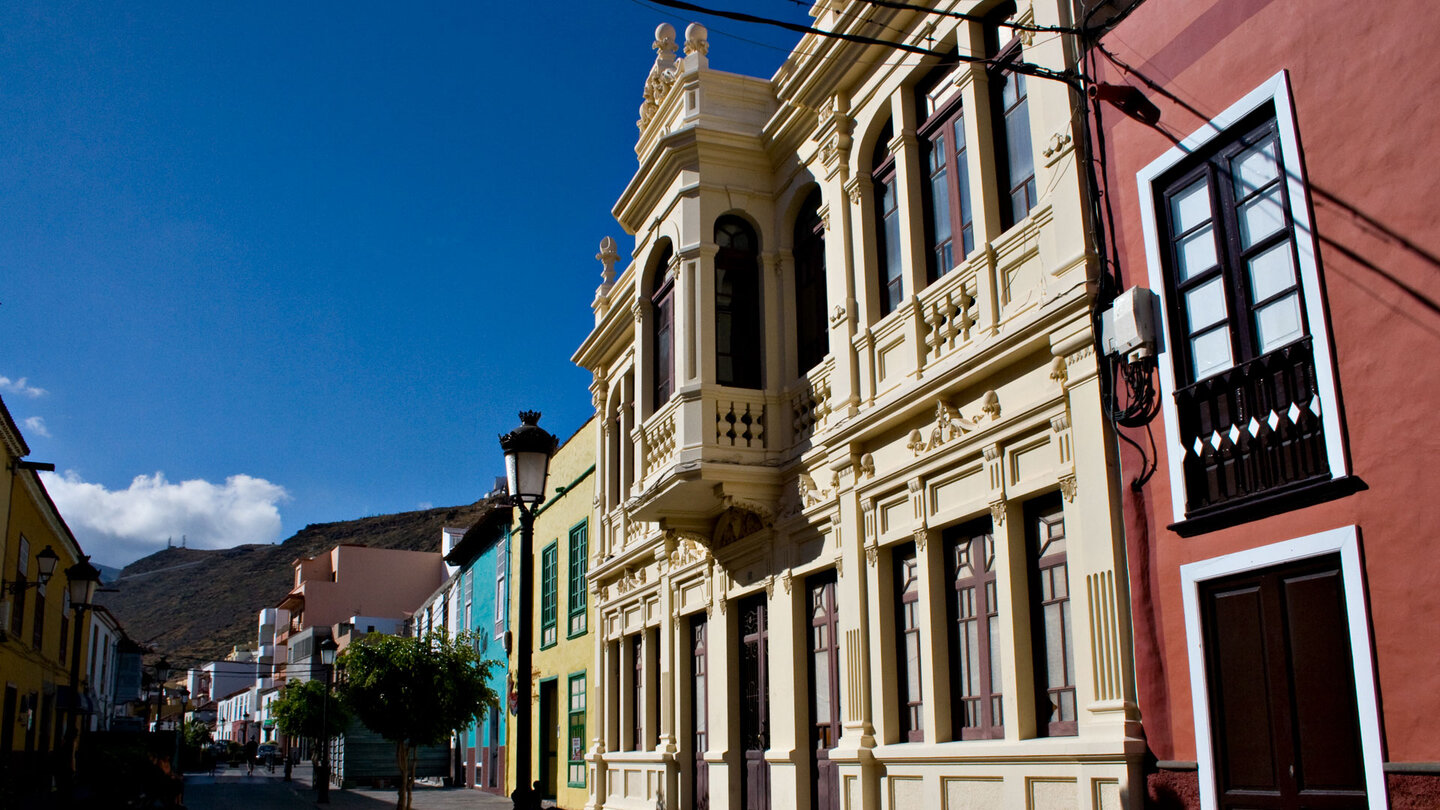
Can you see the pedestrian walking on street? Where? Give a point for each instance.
(251, 747)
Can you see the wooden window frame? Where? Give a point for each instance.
(890, 280)
(984, 585)
(578, 564)
(1003, 59)
(662, 332)
(575, 719)
(746, 346)
(812, 326)
(1042, 572)
(910, 705)
(940, 125)
(549, 587)
(1315, 364)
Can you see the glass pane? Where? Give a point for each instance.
(1196, 253)
(1260, 217)
(1271, 272)
(1017, 141)
(1210, 352)
(822, 687)
(1205, 305)
(962, 179)
(1191, 206)
(1254, 168)
(1278, 323)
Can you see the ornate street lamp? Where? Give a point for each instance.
(45, 563)
(527, 449)
(327, 648)
(82, 579)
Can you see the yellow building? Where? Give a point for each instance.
(563, 643)
(38, 631)
(856, 532)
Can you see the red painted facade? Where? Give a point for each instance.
(1361, 78)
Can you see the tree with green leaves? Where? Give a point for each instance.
(302, 711)
(415, 692)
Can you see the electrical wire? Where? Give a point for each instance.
(1067, 77)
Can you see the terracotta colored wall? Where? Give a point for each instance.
(372, 582)
(1362, 77)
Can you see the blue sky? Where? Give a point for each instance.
(264, 265)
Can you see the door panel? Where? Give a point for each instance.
(699, 721)
(1285, 725)
(754, 704)
(824, 693)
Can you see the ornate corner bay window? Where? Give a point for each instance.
(1250, 405)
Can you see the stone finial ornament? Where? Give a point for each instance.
(696, 40)
(607, 257)
(662, 73)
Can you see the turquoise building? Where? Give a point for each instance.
(480, 604)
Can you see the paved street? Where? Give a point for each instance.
(233, 789)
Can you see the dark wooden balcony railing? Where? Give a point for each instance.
(1252, 430)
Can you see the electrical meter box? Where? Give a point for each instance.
(1129, 327)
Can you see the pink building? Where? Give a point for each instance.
(351, 580)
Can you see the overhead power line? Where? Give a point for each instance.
(1067, 77)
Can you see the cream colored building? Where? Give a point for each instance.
(856, 540)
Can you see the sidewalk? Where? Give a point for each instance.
(234, 789)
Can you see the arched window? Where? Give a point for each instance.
(811, 336)
(662, 331)
(737, 304)
(887, 224)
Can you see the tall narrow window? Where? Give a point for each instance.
(812, 336)
(974, 611)
(1245, 368)
(548, 572)
(1010, 116)
(662, 330)
(502, 592)
(39, 624)
(22, 568)
(578, 552)
(887, 203)
(575, 770)
(737, 304)
(950, 232)
(908, 644)
(637, 692)
(1050, 615)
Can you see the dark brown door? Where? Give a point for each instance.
(1283, 716)
(7, 726)
(699, 718)
(549, 739)
(824, 693)
(754, 704)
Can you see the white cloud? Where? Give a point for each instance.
(22, 387)
(423, 505)
(120, 526)
(36, 425)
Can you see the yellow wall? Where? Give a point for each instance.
(35, 674)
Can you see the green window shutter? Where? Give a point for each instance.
(549, 559)
(579, 567)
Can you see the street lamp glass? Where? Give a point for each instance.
(162, 671)
(45, 562)
(328, 648)
(83, 579)
(527, 458)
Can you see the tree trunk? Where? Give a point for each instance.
(402, 758)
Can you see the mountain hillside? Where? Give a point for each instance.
(195, 605)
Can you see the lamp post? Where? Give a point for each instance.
(81, 580)
(162, 674)
(327, 648)
(527, 464)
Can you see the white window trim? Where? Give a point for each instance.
(1274, 92)
(1346, 542)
